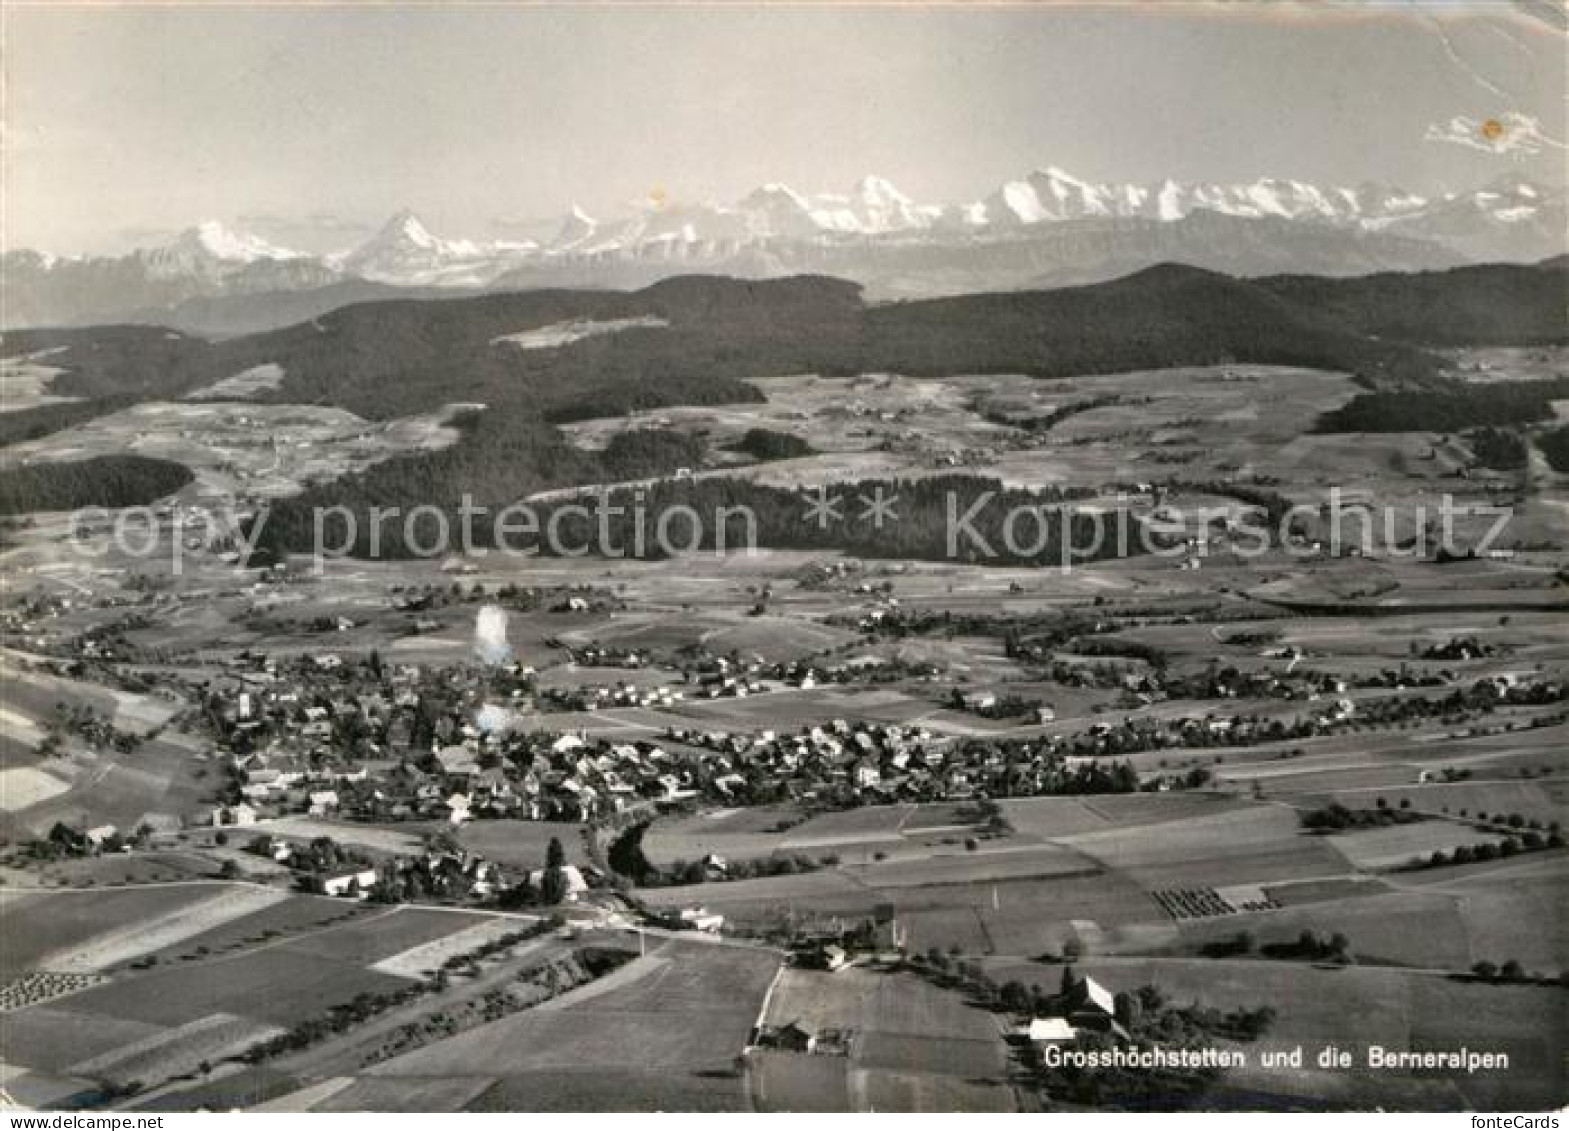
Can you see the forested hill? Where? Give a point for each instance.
(1168, 315)
(102, 481)
(1490, 304)
(392, 358)
(385, 359)
(698, 339)
(144, 362)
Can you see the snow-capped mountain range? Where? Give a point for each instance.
(1046, 227)
(405, 253)
(210, 248)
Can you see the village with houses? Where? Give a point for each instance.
(1045, 860)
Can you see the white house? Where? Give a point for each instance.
(345, 883)
(702, 919)
(457, 760)
(241, 814)
(565, 743)
(1088, 1001)
(1051, 1031)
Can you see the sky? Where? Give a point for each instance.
(311, 125)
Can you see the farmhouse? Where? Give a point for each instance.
(829, 956)
(357, 883)
(702, 919)
(1089, 1005)
(887, 935)
(791, 1037)
(1043, 1031)
(457, 761)
(272, 847)
(237, 815)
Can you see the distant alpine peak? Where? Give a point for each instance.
(405, 251)
(216, 240)
(872, 187)
(873, 206)
(576, 226)
(774, 190)
(405, 226)
(1059, 174)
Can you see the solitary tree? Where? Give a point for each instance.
(1015, 996)
(1128, 1010)
(553, 886)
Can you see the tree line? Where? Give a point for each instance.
(1452, 409)
(101, 481)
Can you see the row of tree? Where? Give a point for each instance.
(941, 518)
(1453, 409)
